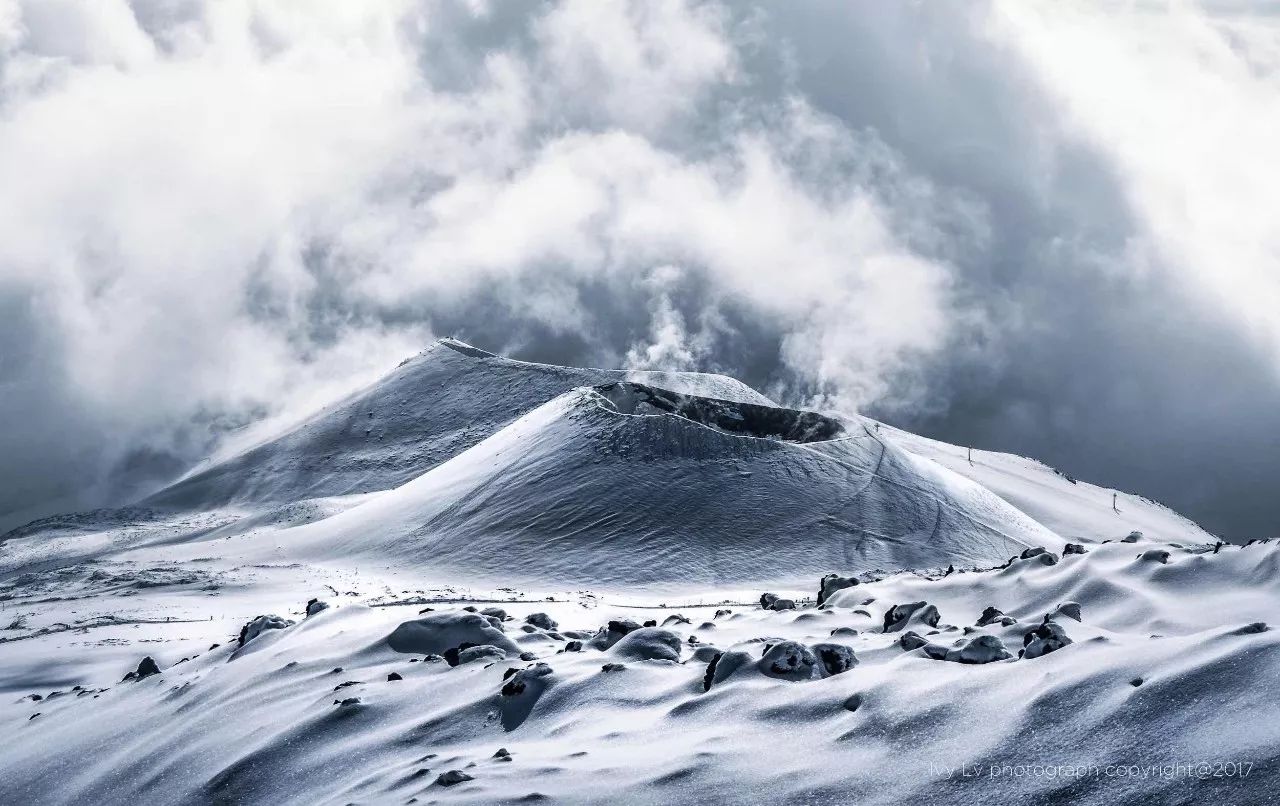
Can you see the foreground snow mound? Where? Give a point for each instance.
(1166, 664)
(433, 407)
(617, 485)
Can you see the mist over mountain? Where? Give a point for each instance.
(224, 215)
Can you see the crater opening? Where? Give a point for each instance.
(745, 419)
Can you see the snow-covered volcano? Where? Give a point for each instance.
(435, 591)
(432, 407)
(628, 483)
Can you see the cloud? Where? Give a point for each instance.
(1027, 226)
(220, 212)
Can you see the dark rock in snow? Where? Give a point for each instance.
(1254, 628)
(349, 701)
(936, 651)
(790, 660)
(146, 667)
(453, 777)
(394, 676)
(315, 606)
(831, 583)
(484, 652)
(896, 617)
(653, 622)
(724, 665)
(1040, 554)
(720, 613)
(853, 703)
(613, 633)
(1132, 537)
(451, 655)
(1137, 681)
(542, 621)
(261, 624)
(495, 612)
(521, 692)
(572, 646)
(1048, 637)
(911, 640)
(835, 658)
(982, 649)
(844, 631)
(528, 656)
(1154, 556)
(1069, 609)
(1073, 548)
(782, 604)
(612, 667)
(517, 683)
(767, 599)
(502, 754)
(990, 616)
(675, 618)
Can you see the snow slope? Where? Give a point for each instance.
(1166, 694)
(583, 491)
(1074, 509)
(432, 407)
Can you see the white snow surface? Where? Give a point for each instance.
(481, 482)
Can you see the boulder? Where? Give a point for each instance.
(1073, 548)
(981, 649)
(990, 616)
(484, 652)
(261, 624)
(835, 658)
(911, 640)
(792, 661)
(1048, 637)
(146, 667)
(831, 583)
(1040, 554)
(613, 633)
(724, 665)
(453, 778)
(542, 621)
(896, 617)
(315, 606)
(1069, 609)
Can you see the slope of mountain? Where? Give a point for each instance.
(1074, 509)
(432, 407)
(629, 484)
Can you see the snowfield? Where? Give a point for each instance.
(488, 581)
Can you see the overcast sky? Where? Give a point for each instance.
(1046, 228)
